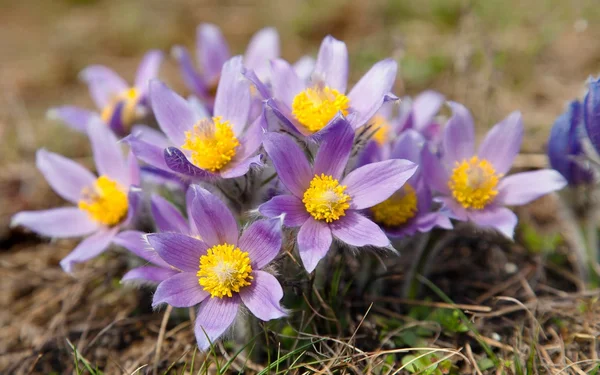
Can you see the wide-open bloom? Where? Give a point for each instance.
(120, 104)
(220, 269)
(565, 146)
(323, 203)
(307, 107)
(204, 147)
(473, 185)
(168, 219)
(103, 205)
(409, 209)
(212, 52)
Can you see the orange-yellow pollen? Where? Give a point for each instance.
(105, 202)
(474, 182)
(212, 144)
(315, 107)
(224, 270)
(129, 100)
(397, 209)
(325, 199)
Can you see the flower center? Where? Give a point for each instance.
(325, 198)
(212, 143)
(397, 209)
(473, 183)
(106, 202)
(223, 270)
(129, 100)
(382, 129)
(315, 107)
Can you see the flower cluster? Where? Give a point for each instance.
(264, 153)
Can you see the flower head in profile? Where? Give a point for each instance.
(591, 112)
(119, 104)
(473, 185)
(308, 107)
(220, 269)
(409, 209)
(565, 147)
(213, 51)
(168, 219)
(204, 147)
(103, 205)
(324, 203)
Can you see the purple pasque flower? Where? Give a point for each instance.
(322, 203)
(307, 107)
(591, 112)
(565, 147)
(419, 114)
(472, 184)
(212, 52)
(220, 269)
(120, 105)
(202, 147)
(168, 219)
(103, 205)
(409, 209)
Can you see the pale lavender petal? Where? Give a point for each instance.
(434, 172)
(180, 290)
(369, 93)
(280, 117)
(215, 316)
(502, 143)
(262, 296)
(241, 167)
(289, 162)
(108, 154)
(331, 67)
(56, 222)
(425, 106)
(148, 70)
(75, 117)
(178, 250)
(263, 90)
(66, 177)
(134, 169)
(176, 161)
(335, 147)
(191, 78)
(135, 241)
(499, 218)
(522, 188)
(167, 217)
(104, 84)
(304, 67)
(147, 152)
(213, 50)
(457, 211)
(371, 153)
(408, 146)
(233, 99)
(148, 273)
(263, 47)
(356, 230)
(286, 84)
(252, 138)
(289, 205)
(134, 200)
(262, 240)
(314, 240)
(172, 112)
(199, 108)
(373, 183)
(459, 135)
(430, 220)
(214, 221)
(89, 248)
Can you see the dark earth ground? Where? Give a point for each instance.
(495, 57)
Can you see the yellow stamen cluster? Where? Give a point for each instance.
(325, 198)
(223, 270)
(130, 100)
(397, 209)
(315, 107)
(105, 202)
(212, 143)
(382, 129)
(473, 183)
